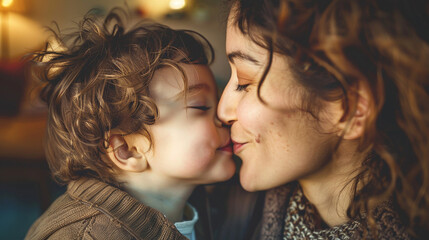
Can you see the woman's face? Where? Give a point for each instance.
(277, 142)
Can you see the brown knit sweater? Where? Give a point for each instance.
(91, 209)
(287, 214)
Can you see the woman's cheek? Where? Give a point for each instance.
(248, 112)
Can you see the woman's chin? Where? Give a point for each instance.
(249, 182)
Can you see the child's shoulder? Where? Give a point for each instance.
(94, 208)
(65, 218)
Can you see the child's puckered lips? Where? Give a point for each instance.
(227, 147)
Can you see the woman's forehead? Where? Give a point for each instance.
(243, 46)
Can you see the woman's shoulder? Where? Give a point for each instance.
(229, 211)
(388, 223)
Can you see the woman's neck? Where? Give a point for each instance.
(165, 195)
(330, 188)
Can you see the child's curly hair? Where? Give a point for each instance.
(100, 81)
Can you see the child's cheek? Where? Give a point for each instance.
(202, 158)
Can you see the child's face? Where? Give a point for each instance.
(188, 137)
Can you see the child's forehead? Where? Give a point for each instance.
(170, 83)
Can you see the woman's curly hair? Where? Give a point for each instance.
(339, 44)
(99, 81)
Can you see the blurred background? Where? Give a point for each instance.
(26, 188)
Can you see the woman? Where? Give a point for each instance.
(328, 108)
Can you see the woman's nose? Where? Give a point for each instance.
(226, 109)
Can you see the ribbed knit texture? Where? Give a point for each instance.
(91, 209)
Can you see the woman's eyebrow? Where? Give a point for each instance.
(242, 56)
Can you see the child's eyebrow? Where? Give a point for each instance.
(198, 87)
(193, 89)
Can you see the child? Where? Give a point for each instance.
(132, 129)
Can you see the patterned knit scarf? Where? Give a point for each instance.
(288, 215)
(301, 222)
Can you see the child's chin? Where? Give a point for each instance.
(227, 173)
(218, 177)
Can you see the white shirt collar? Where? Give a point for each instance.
(187, 227)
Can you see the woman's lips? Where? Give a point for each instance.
(237, 146)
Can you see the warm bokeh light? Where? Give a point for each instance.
(177, 4)
(24, 34)
(6, 3)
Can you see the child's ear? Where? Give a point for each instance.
(355, 127)
(125, 154)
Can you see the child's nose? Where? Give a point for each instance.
(222, 131)
(218, 122)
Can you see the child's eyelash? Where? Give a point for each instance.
(242, 87)
(202, 108)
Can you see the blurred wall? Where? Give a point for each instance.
(208, 17)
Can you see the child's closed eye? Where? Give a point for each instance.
(202, 107)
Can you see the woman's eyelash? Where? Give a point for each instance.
(242, 87)
(202, 108)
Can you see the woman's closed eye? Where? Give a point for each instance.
(242, 87)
